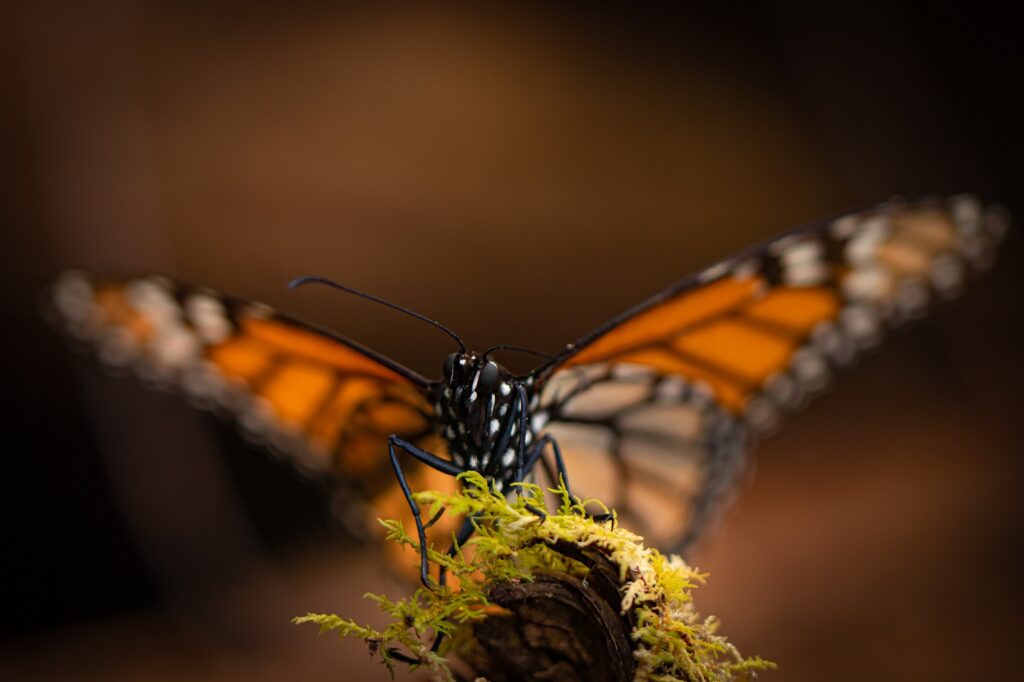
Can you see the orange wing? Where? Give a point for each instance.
(657, 407)
(324, 402)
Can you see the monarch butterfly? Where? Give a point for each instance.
(653, 411)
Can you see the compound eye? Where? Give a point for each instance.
(449, 367)
(488, 378)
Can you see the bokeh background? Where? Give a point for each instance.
(522, 174)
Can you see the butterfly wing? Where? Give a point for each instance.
(655, 410)
(323, 402)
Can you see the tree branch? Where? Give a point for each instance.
(557, 627)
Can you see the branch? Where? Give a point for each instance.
(558, 627)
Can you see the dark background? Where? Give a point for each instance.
(521, 174)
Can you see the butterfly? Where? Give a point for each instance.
(654, 412)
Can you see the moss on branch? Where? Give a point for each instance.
(551, 598)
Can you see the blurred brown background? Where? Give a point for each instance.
(521, 174)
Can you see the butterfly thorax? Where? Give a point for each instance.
(479, 408)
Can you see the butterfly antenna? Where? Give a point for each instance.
(314, 279)
(528, 351)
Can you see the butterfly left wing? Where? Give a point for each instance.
(324, 402)
(655, 410)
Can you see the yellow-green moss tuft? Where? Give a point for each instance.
(671, 641)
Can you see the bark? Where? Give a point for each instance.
(558, 627)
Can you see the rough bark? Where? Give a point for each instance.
(557, 627)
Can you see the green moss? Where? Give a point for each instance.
(672, 642)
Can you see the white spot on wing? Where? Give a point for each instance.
(783, 390)
(118, 347)
(174, 347)
(151, 298)
(810, 368)
(843, 227)
(745, 268)
(762, 414)
(833, 342)
(714, 272)
(861, 324)
(868, 284)
(860, 250)
(808, 251)
(805, 274)
(947, 274)
(966, 212)
(209, 318)
(73, 296)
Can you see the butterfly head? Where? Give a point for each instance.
(471, 378)
(476, 403)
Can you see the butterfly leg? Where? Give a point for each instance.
(522, 407)
(444, 466)
(460, 539)
(538, 451)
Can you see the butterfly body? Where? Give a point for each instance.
(485, 415)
